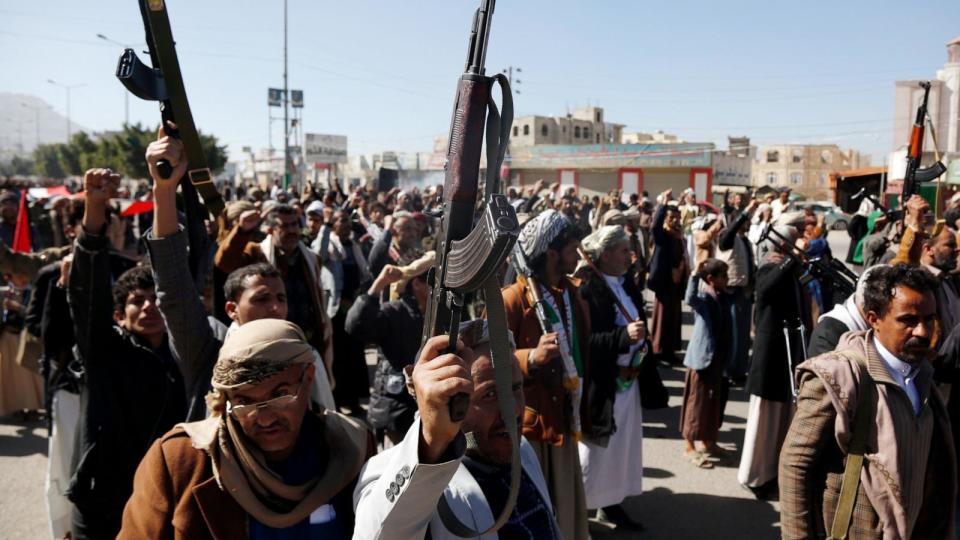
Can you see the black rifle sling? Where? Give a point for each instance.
(166, 55)
(498, 134)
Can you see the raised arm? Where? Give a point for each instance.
(91, 302)
(365, 320)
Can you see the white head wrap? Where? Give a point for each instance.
(603, 239)
(540, 231)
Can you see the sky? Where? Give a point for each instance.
(383, 73)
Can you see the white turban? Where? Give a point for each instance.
(603, 239)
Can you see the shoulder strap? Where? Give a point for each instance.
(851, 473)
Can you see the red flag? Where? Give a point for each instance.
(137, 207)
(21, 235)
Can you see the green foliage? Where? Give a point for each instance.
(123, 151)
(17, 166)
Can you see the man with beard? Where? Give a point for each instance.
(874, 399)
(264, 465)
(401, 239)
(555, 365)
(398, 490)
(300, 268)
(133, 386)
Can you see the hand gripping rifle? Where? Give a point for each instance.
(469, 255)
(915, 174)
(843, 279)
(164, 83)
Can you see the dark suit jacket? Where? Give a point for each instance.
(607, 341)
(666, 256)
(825, 336)
(777, 290)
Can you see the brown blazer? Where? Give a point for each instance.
(176, 496)
(546, 416)
(812, 467)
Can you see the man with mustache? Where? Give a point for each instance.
(906, 484)
(265, 464)
(299, 266)
(398, 490)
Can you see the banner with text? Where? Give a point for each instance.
(319, 148)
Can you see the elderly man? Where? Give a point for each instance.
(401, 239)
(555, 365)
(434, 460)
(781, 303)
(906, 481)
(263, 465)
(612, 455)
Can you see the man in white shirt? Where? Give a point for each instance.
(782, 204)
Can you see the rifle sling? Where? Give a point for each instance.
(166, 54)
(851, 473)
(503, 377)
(498, 134)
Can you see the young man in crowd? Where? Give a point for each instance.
(263, 465)
(252, 292)
(555, 365)
(398, 490)
(134, 387)
(907, 486)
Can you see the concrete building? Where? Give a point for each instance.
(586, 153)
(583, 126)
(804, 168)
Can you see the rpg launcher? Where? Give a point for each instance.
(471, 251)
(915, 174)
(164, 83)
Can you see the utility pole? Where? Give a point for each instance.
(36, 121)
(286, 106)
(509, 73)
(67, 87)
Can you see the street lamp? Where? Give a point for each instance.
(126, 95)
(67, 87)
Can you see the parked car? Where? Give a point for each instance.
(834, 218)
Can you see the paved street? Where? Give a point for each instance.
(680, 501)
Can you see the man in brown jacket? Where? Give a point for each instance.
(262, 465)
(554, 364)
(907, 481)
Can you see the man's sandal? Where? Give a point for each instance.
(697, 459)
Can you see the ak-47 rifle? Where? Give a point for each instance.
(164, 83)
(469, 255)
(916, 174)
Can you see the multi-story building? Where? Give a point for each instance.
(804, 168)
(582, 126)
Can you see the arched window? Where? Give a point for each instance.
(516, 131)
(576, 132)
(526, 129)
(586, 132)
(544, 130)
(771, 178)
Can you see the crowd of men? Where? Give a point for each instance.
(238, 404)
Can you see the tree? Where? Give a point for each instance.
(18, 166)
(123, 151)
(46, 158)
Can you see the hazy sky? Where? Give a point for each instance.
(384, 72)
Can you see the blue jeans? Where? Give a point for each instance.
(741, 318)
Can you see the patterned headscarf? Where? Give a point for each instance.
(540, 231)
(258, 350)
(603, 239)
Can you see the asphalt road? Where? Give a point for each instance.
(679, 500)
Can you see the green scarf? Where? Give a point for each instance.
(571, 333)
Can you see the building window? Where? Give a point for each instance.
(544, 131)
(797, 156)
(576, 132)
(826, 157)
(563, 129)
(599, 116)
(586, 132)
(796, 178)
(526, 129)
(771, 178)
(516, 131)
(773, 156)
